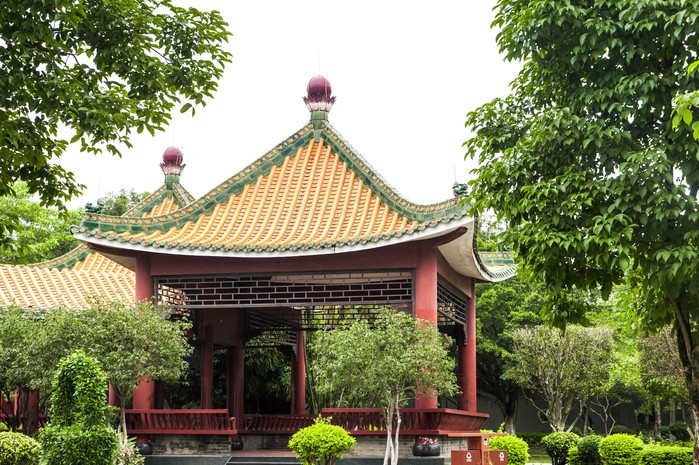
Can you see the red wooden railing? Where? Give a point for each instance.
(147, 421)
(413, 421)
(275, 424)
(355, 421)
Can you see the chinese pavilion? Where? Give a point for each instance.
(307, 227)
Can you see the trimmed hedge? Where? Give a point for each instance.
(18, 449)
(558, 444)
(666, 455)
(620, 449)
(621, 429)
(517, 449)
(586, 452)
(78, 444)
(532, 439)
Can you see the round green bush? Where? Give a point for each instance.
(679, 430)
(517, 449)
(666, 455)
(621, 429)
(321, 443)
(18, 449)
(586, 452)
(620, 449)
(665, 433)
(558, 444)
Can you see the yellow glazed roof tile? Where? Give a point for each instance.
(33, 287)
(304, 194)
(66, 281)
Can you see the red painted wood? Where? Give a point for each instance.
(414, 422)
(393, 257)
(236, 368)
(298, 376)
(469, 390)
(275, 424)
(207, 369)
(205, 421)
(144, 393)
(426, 302)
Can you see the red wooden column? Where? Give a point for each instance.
(426, 301)
(298, 376)
(467, 357)
(207, 369)
(144, 394)
(236, 366)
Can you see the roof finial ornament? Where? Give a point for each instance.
(172, 166)
(319, 102)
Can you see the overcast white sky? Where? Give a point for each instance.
(405, 73)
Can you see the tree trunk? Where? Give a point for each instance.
(510, 425)
(396, 442)
(688, 345)
(122, 433)
(389, 439)
(657, 419)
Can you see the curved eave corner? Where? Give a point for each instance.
(463, 256)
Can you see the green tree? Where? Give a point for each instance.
(683, 114)
(96, 70)
(661, 373)
(563, 368)
(132, 342)
(583, 163)
(502, 308)
(384, 364)
(135, 343)
(43, 233)
(16, 332)
(118, 203)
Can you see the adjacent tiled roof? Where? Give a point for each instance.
(304, 194)
(33, 287)
(66, 281)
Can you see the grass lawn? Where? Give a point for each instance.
(537, 454)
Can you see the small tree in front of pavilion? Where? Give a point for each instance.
(385, 363)
(135, 343)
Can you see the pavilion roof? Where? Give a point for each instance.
(67, 281)
(311, 194)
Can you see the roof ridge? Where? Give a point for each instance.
(382, 188)
(451, 208)
(81, 251)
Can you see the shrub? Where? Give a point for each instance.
(620, 449)
(532, 439)
(321, 443)
(666, 455)
(77, 432)
(557, 445)
(679, 430)
(77, 444)
(517, 449)
(18, 449)
(665, 432)
(586, 452)
(129, 455)
(621, 429)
